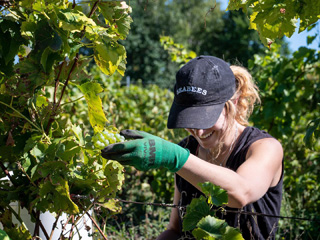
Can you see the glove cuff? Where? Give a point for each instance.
(180, 160)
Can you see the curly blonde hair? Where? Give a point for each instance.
(241, 105)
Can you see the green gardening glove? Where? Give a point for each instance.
(146, 152)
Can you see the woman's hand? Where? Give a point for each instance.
(146, 152)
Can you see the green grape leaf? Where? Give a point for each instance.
(32, 73)
(44, 57)
(117, 16)
(56, 42)
(79, 73)
(309, 13)
(18, 232)
(310, 39)
(212, 228)
(112, 204)
(197, 209)
(113, 173)
(108, 56)
(4, 235)
(97, 117)
(69, 151)
(73, 21)
(311, 130)
(31, 142)
(42, 101)
(78, 132)
(58, 189)
(217, 195)
(274, 19)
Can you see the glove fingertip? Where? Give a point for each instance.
(134, 134)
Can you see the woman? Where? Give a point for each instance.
(213, 102)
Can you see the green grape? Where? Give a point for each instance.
(103, 139)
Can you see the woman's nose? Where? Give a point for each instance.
(198, 132)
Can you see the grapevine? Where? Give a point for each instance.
(47, 155)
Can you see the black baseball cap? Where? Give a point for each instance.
(203, 86)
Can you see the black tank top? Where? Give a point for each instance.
(251, 226)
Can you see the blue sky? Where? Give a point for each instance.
(296, 40)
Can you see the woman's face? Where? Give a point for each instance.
(209, 138)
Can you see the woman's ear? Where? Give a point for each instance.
(235, 101)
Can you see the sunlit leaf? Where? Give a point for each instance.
(217, 195)
(96, 115)
(109, 56)
(213, 228)
(197, 209)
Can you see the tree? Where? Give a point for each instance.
(198, 25)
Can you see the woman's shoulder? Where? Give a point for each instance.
(252, 134)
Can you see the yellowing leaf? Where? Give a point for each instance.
(109, 56)
(112, 204)
(97, 117)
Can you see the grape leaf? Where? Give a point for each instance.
(97, 117)
(41, 101)
(309, 13)
(4, 235)
(77, 130)
(197, 209)
(73, 21)
(212, 228)
(117, 15)
(217, 195)
(113, 205)
(108, 56)
(274, 19)
(58, 189)
(311, 130)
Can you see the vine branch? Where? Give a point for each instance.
(54, 225)
(97, 226)
(57, 83)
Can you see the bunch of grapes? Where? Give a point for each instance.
(103, 139)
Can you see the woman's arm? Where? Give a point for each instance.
(173, 229)
(261, 170)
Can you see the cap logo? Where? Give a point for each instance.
(191, 89)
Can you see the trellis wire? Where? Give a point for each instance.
(168, 205)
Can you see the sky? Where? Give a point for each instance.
(297, 39)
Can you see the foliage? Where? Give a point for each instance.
(200, 215)
(198, 25)
(47, 156)
(290, 112)
(177, 52)
(143, 108)
(274, 19)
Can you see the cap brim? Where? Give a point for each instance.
(196, 117)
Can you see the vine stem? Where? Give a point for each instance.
(97, 226)
(22, 169)
(51, 120)
(56, 106)
(40, 224)
(72, 227)
(57, 82)
(54, 225)
(72, 101)
(76, 59)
